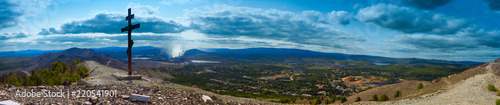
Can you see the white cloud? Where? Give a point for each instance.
(171, 2)
(466, 39)
(306, 27)
(339, 17)
(16, 11)
(410, 20)
(143, 10)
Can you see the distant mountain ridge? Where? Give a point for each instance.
(26, 53)
(284, 52)
(152, 52)
(256, 53)
(117, 52)
(117, 56)
(141, 51)
(67, 56)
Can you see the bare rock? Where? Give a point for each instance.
(494, 66)
(142, 98)
(88, 103)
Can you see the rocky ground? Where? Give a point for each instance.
(158, 95)
(159, 91)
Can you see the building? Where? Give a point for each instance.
(319, 86)
(322, 92)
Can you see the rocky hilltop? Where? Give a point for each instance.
(159, 91)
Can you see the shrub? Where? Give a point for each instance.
(384, 98)
(284, 100)
(420, 86)
(343, 99)
(491, 87)
(375, 98)
(498, 93)
(397, 94)
(357, 99)
(318, 101)
(497, 102)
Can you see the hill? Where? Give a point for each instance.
(468, 87)
(67, 56)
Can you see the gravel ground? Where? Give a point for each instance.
(162, 96)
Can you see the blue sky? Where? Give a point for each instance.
(459, 30)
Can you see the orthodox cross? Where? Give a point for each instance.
(129, 28)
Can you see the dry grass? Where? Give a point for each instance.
(409, 88)
(406, 89)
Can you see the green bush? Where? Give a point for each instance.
(384, 98)
(420, 86)
(343, 99)
(318, 101)
(397, 94)
(498, 93)
(375, 98)
(497, 102)
(491, 87)
(357, 99)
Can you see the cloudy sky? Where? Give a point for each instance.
(459, 30)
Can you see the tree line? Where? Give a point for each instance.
(55, 75)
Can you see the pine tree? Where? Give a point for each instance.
(65, 66)
(24, 82)
(13, 80)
